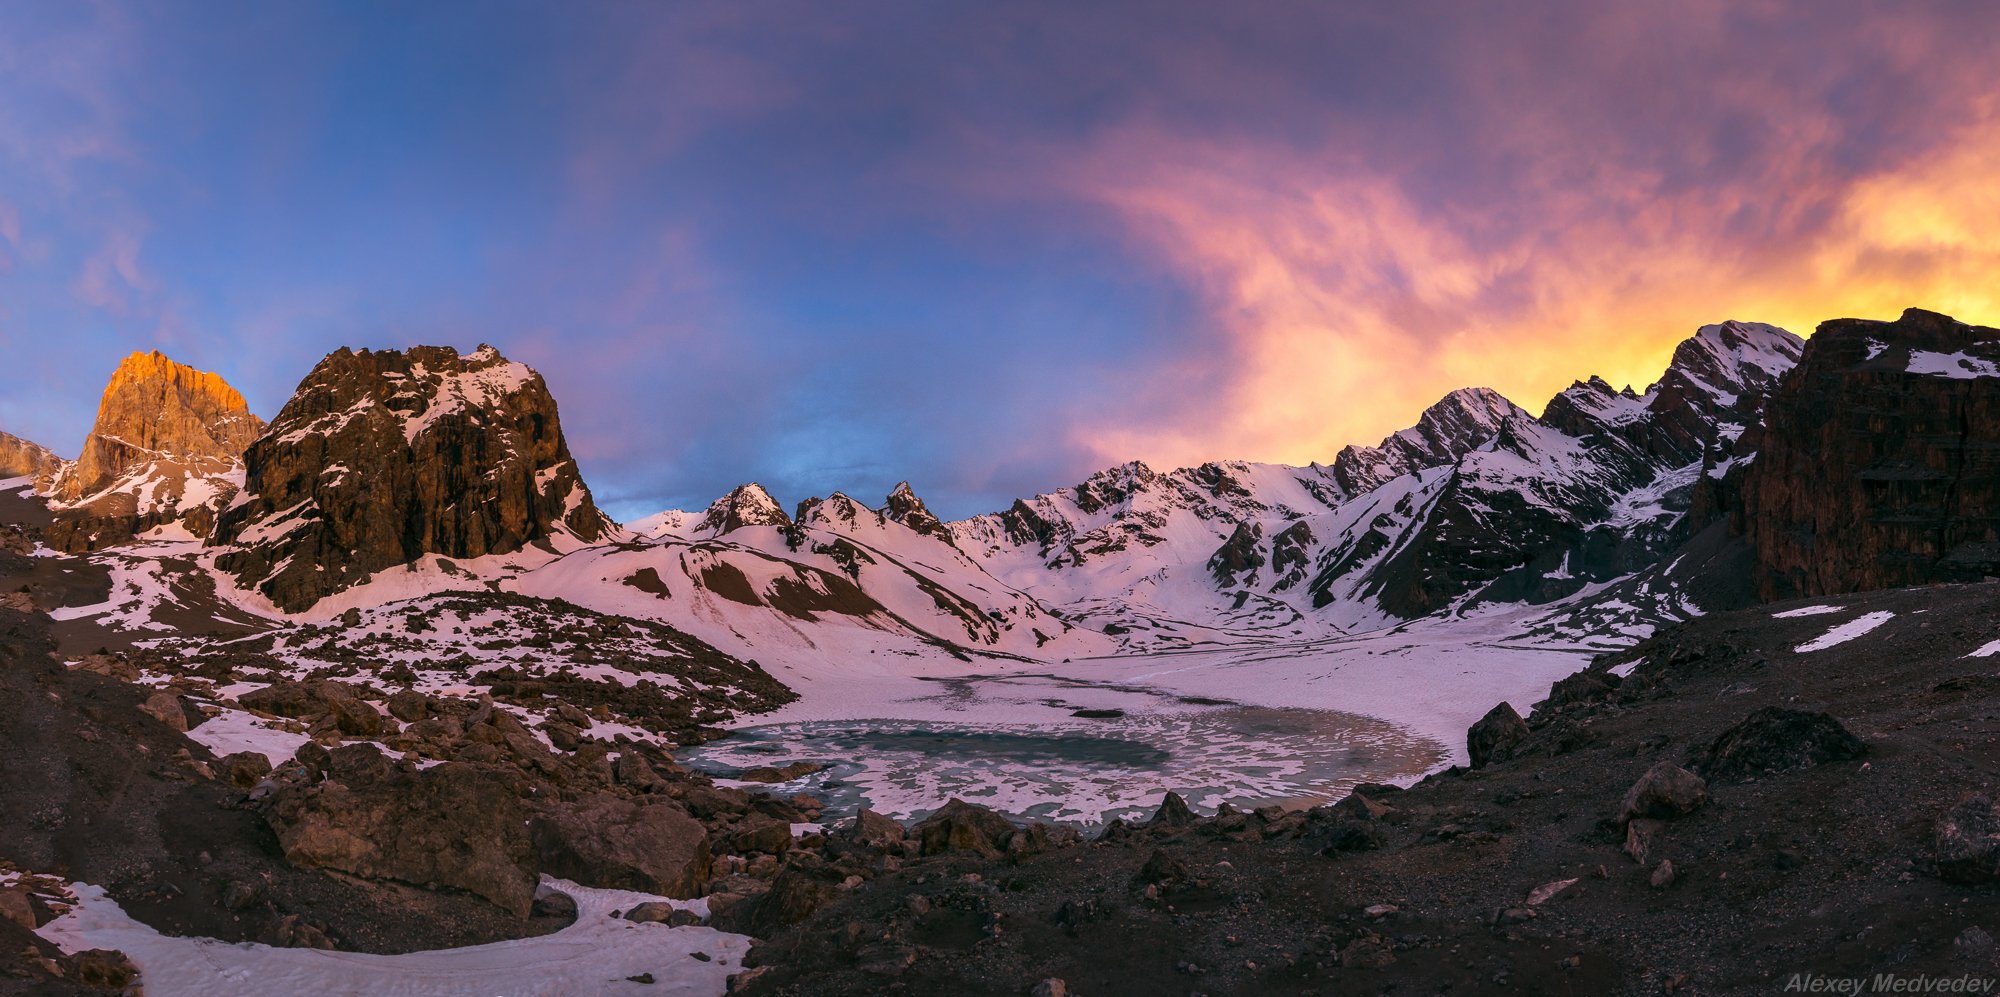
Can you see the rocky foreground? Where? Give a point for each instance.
(1729, 814)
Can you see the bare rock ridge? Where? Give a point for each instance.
(1878, 460)
(382, 457)
(21, 458)
(166, 446)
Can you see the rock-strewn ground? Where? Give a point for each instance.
(1847, 866)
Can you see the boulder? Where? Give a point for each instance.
(1775, 739)
(1358, 806)
(1966, 841)
(766, 836)
(451, 826)
(959, 826)
(1666, 791)
(113, 665)
(409, 705)
(166, 708)
(610, 842)
(243, 769)
(800, 889)
(1640, 835)
(1173, 812)
(875, 831)
(106, 968)
(1495, 737)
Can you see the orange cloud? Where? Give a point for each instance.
(1349, 306)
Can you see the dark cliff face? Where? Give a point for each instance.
(383, 457)
(1878, 463)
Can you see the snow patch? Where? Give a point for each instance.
(1845, 632)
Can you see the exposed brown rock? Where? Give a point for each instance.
(383, 457)
(1495, 736)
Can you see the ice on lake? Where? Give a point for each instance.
(1086, 771)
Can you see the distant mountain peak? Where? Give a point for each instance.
(1455, 425)
(747, 504)
(903, 506)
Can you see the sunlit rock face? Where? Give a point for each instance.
(165, 453)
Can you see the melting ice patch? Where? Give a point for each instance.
(1986, 650)
(1086, 772)
(1845, 632)
(1806, 611)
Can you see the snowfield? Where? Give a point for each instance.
(596, 955)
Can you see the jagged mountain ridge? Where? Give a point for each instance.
(1478, 503)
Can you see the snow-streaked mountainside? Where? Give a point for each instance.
(1479, 505)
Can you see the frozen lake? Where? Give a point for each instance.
(1082, 771)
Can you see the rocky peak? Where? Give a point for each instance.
(1735, 357)
(1456, 425)
(903, 506)
(1878, 460)
(382, 457)
(156, 408)
(159, 409)
(1113, 486)
(166, 450)
(745, 505)
(836, 511)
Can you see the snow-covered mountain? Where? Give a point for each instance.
(469, 486)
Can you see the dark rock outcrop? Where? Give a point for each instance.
(383, 457)
(1878, 462)
(1776, 739)
(1237, 555)
(745, 505)
(1495, 736)
(1446, 431)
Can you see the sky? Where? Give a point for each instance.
(987, 248)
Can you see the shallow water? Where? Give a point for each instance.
(1084, 772)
